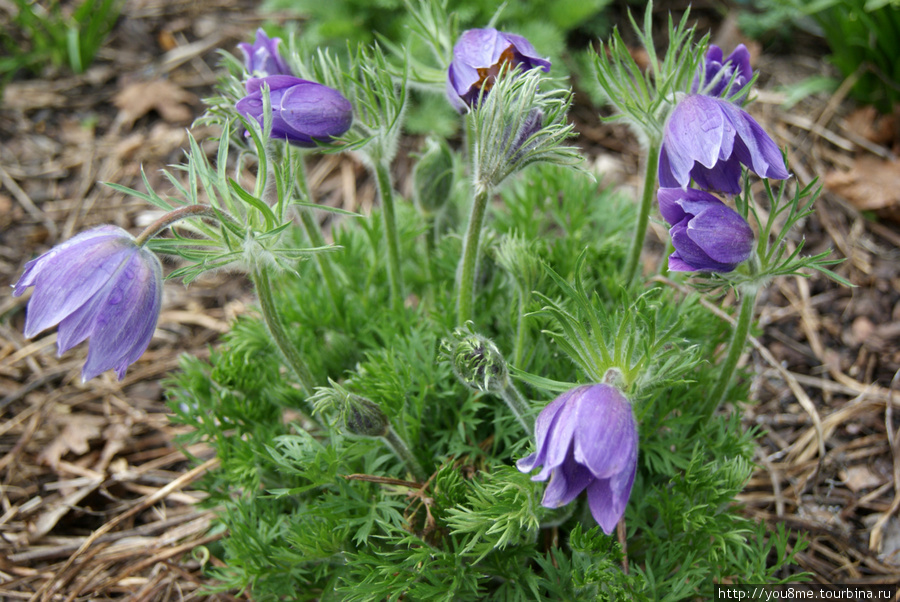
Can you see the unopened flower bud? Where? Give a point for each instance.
(477, 362)
(365, 418)
(433, 176)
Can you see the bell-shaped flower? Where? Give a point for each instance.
(708, 235)
(587, 440)
(100, 285)
(716, 73)
(478, 57)
(262, 57)
(707, 140)
(303, 112)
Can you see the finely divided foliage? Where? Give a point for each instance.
(440, 409)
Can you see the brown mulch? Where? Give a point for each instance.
(96, 501)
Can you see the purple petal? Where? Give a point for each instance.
(70, 274)
(677, 264)
(607, 498)
(724, 177)
(606, 439)
(125, 317)
(692, 254)
(566, 482)
(669, 205)
(545, 421)
(696, 132)
(754, 147)
(316, 111)
(722, 234)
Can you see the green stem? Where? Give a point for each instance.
(640, 230)
(316, 239)
(468, 266)
(735, 347)
(323, 262)
(292, 357)
(518, 406)
(401, 450)
(177, 215)
(386, 192)
(519, 348)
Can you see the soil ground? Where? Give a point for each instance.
(96, 500)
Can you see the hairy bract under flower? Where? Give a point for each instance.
(587, 440)
(708, 235)
(303, 112)
(478, 57)
(99, 285)
(262, 58)
(707, 140)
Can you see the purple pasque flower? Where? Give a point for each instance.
(707, 140)
(478, 57)
(587, 439)
(303, 112)
(708, 235)
(98, 284)
(262, 57)
(737, 65)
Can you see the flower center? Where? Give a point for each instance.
(488, 75)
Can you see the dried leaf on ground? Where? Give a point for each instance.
(139, 98)
(871, 185)
(80, 429)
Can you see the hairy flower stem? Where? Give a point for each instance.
(640, 229)
(519, 348)
(518, 406)
(386, 192)
(314, 233)
(468, 266)
(292, 357)
(735, 347)
(177, 215)
(401, 450)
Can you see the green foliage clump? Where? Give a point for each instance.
(48, 33)
(315, 513)
(863, 35)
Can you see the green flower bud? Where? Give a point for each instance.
(365, 418)
(477, 362)
(433, 176)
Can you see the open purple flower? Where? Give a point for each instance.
(98, 284)
(708, 235)
(478, 57)
(262, 57)
(587, 439)
(303, 112)
(737, 65)
(708, 139)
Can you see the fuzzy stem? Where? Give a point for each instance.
(177, 215)
(518, 406)
(735, 347)
(386, 192)
(519, 348)
(468, 266)
(401, 450)
(295, 361)
(314, 233)
(640, 229)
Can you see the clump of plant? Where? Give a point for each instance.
(514, 404)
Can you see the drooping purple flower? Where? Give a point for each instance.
(708, 139)
(587, 439)
(737, 65)
(262, 57)
(478, 57)
(98, 284)
(303, 112)
(708, 235)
